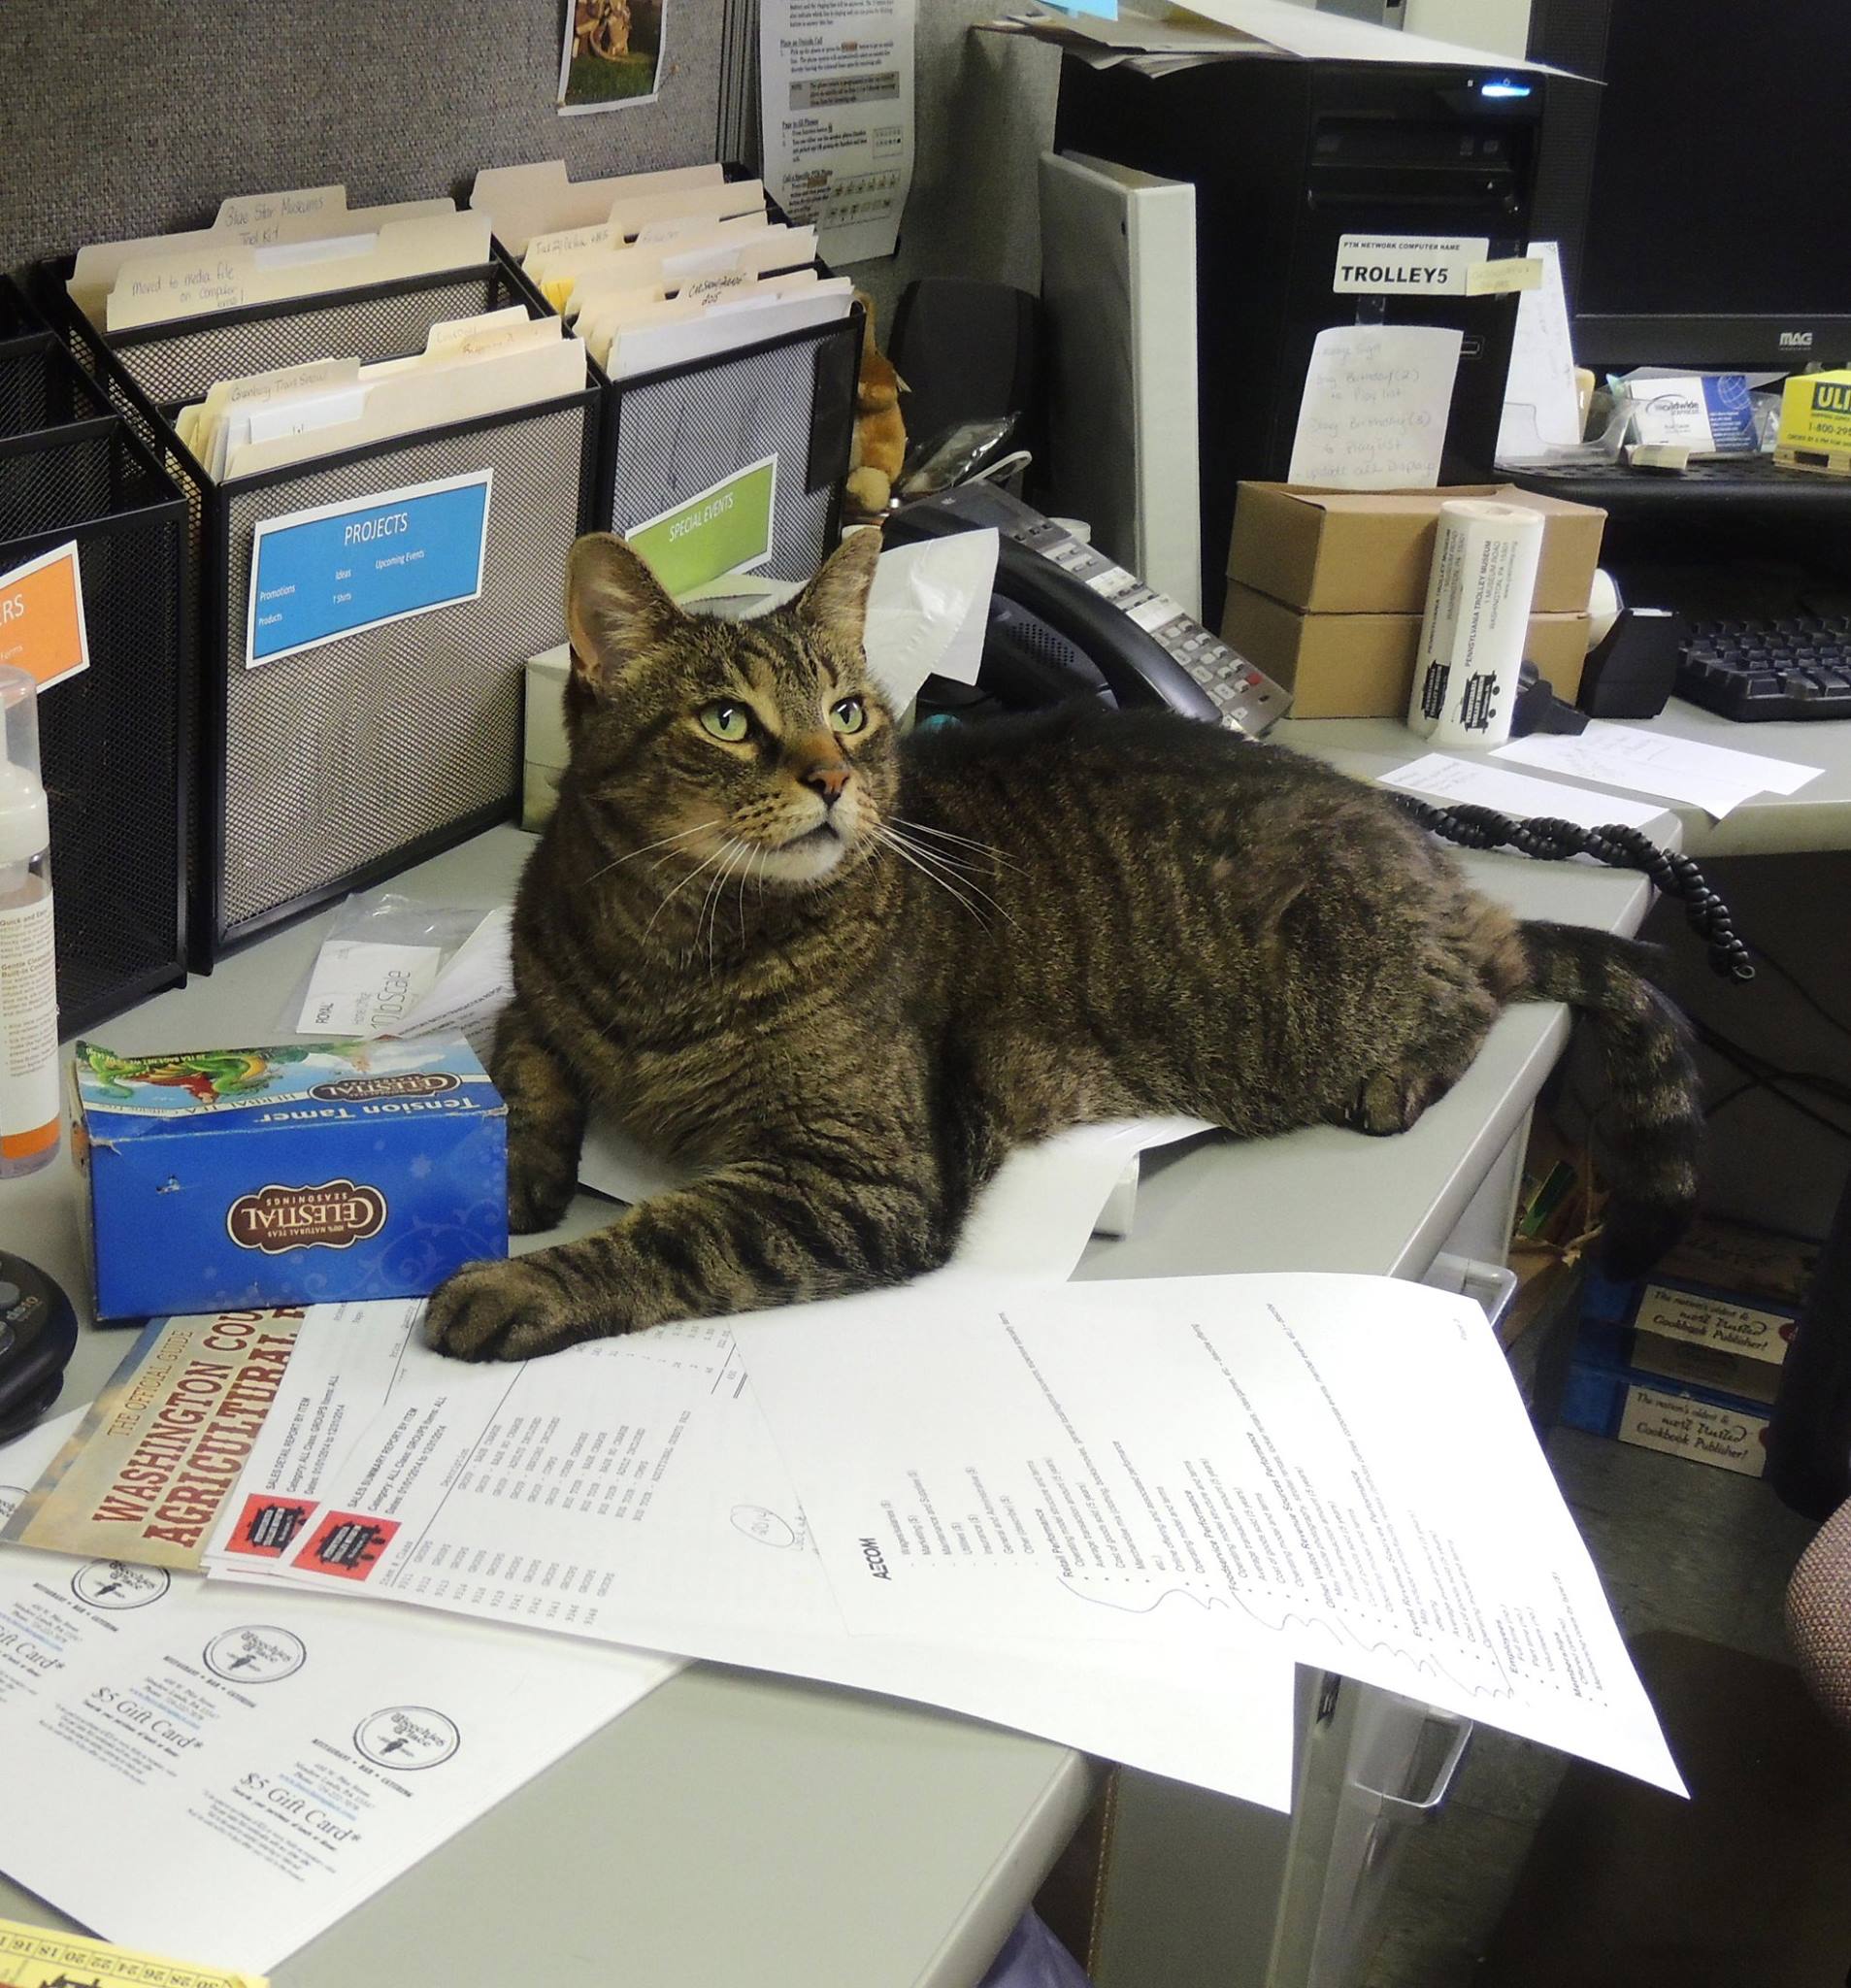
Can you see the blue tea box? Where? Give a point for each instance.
(231, 1179)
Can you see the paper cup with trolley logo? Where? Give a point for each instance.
(1476, 620)
(28, 971)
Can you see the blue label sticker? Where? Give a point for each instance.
(316, 575)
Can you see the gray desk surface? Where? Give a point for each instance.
(1817, 817)
(736, 1829)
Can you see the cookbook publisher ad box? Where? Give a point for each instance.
(296, 1175)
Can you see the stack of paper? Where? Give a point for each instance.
(290, 1756)
(1717, 778)
(676, 266)
(263, 248)
(470, 366)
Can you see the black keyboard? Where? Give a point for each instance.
(1792, 667)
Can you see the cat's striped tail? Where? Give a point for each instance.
(1650, 1129)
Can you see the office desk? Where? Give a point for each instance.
(1817, 817)
(737, 1830)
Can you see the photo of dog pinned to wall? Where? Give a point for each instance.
(612, 54)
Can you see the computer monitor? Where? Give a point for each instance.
(1693, 192)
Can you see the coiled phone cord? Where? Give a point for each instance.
(1620, 847)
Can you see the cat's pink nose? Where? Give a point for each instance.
(828, 781)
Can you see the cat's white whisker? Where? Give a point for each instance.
(661, 842)
(678, 888)
(939, 864)
(967, 842)
(906, 855)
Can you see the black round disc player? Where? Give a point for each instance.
(38, 1335)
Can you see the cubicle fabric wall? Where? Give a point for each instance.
(142, 115)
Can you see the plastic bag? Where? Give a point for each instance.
(1033, 1958)
(393, 966)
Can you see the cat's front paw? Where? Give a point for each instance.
(541, 1185)
(504, 1311)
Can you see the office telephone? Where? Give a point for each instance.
(1066, 621)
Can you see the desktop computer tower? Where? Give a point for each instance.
(1287, 158)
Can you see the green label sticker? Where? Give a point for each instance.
(726, 529)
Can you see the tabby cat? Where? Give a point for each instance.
(845, 973)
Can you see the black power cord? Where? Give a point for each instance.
(1549, 840)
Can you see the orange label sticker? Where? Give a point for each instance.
(42, 618)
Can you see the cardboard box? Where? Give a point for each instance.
(232, 1180)
(547, 747)
(1719, 1312)
(1362, 666)
(1370, 551)
(1701, 1425)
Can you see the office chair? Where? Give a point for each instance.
(1809, 1466)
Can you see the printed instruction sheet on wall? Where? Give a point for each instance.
(835, 85)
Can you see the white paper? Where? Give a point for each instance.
(223, 1771)
(469, 995)
(1514, 793)
(1671, 411)
(1337, 1468)
(1406, 265)
(630, 1490)
(1541, 405)
(1036, 1218)
(1714, 777)
(837, 94)
(928, 611)
(1299, 30)
(1374, 416)
(1033, 1220)
(361, 988)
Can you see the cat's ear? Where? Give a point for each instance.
(616, 609)
(836, 602)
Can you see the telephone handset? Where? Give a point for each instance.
(1066, 621)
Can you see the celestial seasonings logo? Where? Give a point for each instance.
(332, 1216)
(409, 1084)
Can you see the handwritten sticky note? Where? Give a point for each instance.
(1374, 417)
(42, 628)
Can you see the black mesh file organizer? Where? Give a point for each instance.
(115, 739)
(670, 435)
(324, 772)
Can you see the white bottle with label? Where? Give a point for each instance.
(29, 1115)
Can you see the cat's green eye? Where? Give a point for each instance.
(726, 721)
(848, 717)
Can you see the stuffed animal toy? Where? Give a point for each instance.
(880, 445)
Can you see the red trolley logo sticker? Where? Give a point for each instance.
(347, 1543)
(268, 1525)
